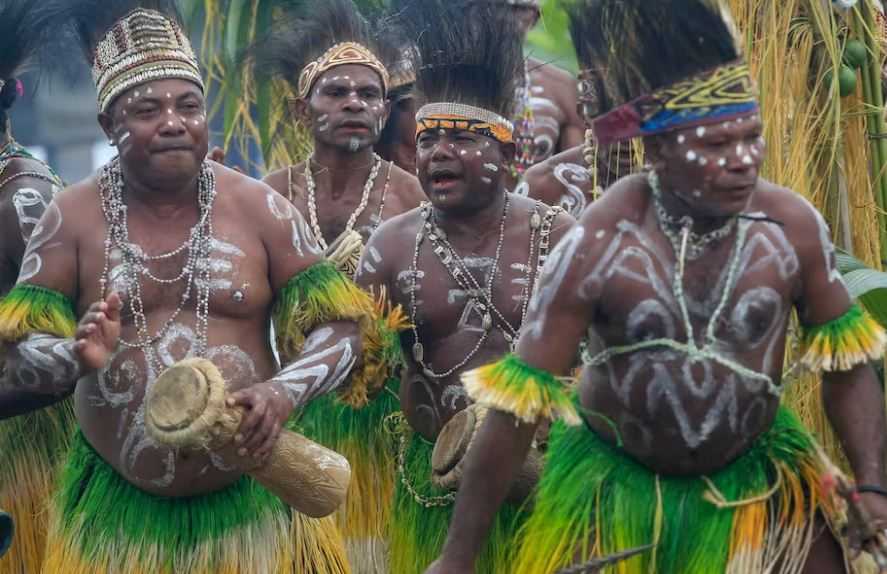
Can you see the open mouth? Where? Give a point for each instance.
(444, 178)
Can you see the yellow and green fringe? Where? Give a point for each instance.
(102, 523)
(418, 531)
(512, 386)
(594, 501)
(32, 446)
(360, 436)
(839, 345)
(322, 294)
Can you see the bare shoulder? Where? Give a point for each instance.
(397, 234)
(278, 179)
(406, 186)
(800, 220)
(626, 200)
(551, 74)
(80, 204)
(241, 190)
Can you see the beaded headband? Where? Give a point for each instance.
(721, 94)
(455, 116)
(145, 45)
(340, 55)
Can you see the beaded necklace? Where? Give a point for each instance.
(352, 220)
(526, 143)
(195, 271)
(12, 150)
(480, 298)
(696, 242)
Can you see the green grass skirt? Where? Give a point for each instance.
(418, 531)
(594, 500)
(102, 523)
(361, 436)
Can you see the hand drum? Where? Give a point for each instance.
(186, 408)
(453, 443)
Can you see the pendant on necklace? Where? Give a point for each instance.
(488, 321)
(418, 352)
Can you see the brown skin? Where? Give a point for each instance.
(561, 179)
(162, 139)
(13, 232)
(338, 113)
(571, 304)
(469, 210)
(401, 145)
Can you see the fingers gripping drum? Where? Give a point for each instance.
(186, 408)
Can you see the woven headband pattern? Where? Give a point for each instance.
(340, 55)
(451, 115)
(145, 45)
(721, 94)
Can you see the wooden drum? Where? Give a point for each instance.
(453, 443)
(186, 408)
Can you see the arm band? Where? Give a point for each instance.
(843, 343)
(512, 386)
(322, 294)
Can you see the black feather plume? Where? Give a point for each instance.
(648, 44)
(305, 30)
(469, 53)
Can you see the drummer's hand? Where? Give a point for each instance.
(267, 408)
(875, 507)
(98, 333)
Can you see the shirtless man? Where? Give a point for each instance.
(30, 444)
(335, 63)
(203, 287)
(576, 177)
(684, 279)
(462, 266)
(546, 119)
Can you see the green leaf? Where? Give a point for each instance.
(264, 18)
(870, 288)
(847, 263)
(866, 285)
(237, 18)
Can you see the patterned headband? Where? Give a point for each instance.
(340, 55)
(453, 116)
(145, 45)
(721, 94)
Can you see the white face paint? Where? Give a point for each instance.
(722, 162)
(681, 139)
(700, 131)
(691, 156)
(491, 167)
(486, 180)
(354, 145)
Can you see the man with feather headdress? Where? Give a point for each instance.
(340, 66)
(574, 178)
(683, 278)
(164, 255)
(463, 265)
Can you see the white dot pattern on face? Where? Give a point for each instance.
(681, 139)
(477, 153)
(700, 131)
(722, 162)
(691, 155)
(149, 90)
(747, 160)
(462, 152)
(486, 180)
(703, 161)
(697, 193)
(168, 95)
(169, 123)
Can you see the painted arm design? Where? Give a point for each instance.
(329, 354)
(43, 364)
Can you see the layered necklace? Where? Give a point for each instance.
(311, 185)
(481, 298)
(195, 272)
(675, 228)
(589, 155)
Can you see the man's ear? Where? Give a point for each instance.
(508, 151)
(654, 154)
(107, 123)
(298, 108)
